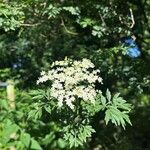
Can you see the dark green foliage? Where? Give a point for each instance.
(75, 124)
(33, 34)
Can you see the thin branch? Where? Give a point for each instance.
(68, 31)
(103, 21)
(120, 19)
(29, 25)
(132, 18)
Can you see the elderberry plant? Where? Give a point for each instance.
(70, 97)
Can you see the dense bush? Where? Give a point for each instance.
(113, 34)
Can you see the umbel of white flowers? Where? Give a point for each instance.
(72, 80)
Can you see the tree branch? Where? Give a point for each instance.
(132, 18)
(68, 31)
(103, 21)
(29, 25)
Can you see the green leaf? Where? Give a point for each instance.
(36, 114)
(48, 138)
(117, 110)
(72, 10)
(126, 117)
(116, 116)
(4, 104)
(116, 96)
(108, 95)
(8, 130)
(48, 109)
(103, 100)
(25, 139)
(62, 143)
(77, 136)
(35, 145)
(107, 116)
(32, 114)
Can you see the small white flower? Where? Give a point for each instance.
(72, 80)
(43, 73)
(100, 80)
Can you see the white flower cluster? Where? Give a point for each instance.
(72, 80)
